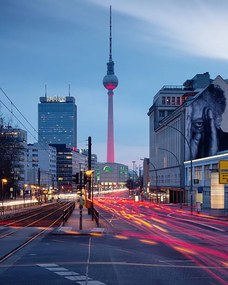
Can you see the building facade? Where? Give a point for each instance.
(111, 176)
(41, 166)
(69, 162)
(193, 128)
(13, 160)
(57, 120)
(208, 189)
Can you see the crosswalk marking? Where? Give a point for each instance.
(56, 268)
(70, 275)
(66, 273)
(76, 278)
(92, 282)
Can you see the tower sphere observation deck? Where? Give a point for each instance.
(110, 82)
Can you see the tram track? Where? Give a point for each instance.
(36, 225)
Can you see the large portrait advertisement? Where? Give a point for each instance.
(207, 121)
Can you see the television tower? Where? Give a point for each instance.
(110, 82)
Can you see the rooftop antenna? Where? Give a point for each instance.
(45, 90)
(69, 90)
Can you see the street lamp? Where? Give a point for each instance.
(89, 173)
(2, 193)
(156, 177)
(25, 187)
(178, 162)
(133, 175)
(191, 157)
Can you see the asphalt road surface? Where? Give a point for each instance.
(142, 244)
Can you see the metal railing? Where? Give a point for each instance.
(6, 210)
(95, 216)
(67, 213)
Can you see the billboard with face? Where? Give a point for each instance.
(207, 121)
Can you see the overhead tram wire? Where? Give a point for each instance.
(12, 104)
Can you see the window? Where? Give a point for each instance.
(161, 113)
(173, 100)
(178, 100)
(163, 100)
(198, 172)
(168, 100)
(207, 173)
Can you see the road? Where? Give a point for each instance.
(143, 243)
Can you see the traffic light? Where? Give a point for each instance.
(75, 178)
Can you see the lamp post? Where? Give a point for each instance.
(178, 162)
(133, 174)
(25, 186)
(89, 173)
(191, 157)
(156, 177)
(2, 193)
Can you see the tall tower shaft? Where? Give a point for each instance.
(110, 82)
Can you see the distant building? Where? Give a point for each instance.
(69, 162)
(41, 165)
(111, 175)
(57, 120)
(13, 159)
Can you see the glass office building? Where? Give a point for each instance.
(57, 120)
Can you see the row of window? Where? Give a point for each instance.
(171, 100)
(164, 113)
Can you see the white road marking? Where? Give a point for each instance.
(56, 268)
(47, 264)
(66, 273)
(92, 282)
(71, 275)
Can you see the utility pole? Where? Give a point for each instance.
(89, 164)
(81, 200)
(89, 168)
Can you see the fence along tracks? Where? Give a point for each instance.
(27, 227)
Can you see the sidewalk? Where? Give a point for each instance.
(72, 225)
(209, 213)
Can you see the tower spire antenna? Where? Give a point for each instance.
(110, 37)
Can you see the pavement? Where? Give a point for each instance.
(209, 213)
(72, 225)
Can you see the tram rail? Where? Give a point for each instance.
(39, 223)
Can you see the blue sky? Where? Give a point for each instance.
(155, 43)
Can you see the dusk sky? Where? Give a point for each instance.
(58, 43)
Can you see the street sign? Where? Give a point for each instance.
(223, 171)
